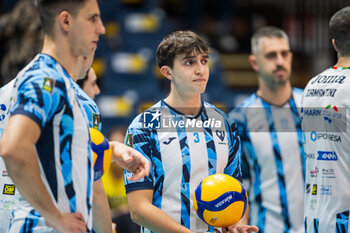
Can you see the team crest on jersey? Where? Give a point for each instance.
(220, 134)
(95, 120)
(130, 139)
(9, 189)
(48, 84)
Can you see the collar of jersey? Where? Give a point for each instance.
(47, 56)
(187, 116)
(339, 68)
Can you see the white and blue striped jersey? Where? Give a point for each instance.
(91, 110)
(45, 94)
(8, 193)
(183, 150)
(272, 162)
(326, 122)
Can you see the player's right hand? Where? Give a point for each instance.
(131, 160)
(70, 223)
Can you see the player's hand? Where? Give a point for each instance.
(239, 228)
(131, 160)
(69, 223)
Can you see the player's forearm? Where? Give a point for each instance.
(155, 219)
(102, 221)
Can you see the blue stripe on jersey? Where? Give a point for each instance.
(257, 184)
(297, 122)
(46, 152)
(88, 197)
(342, 222)
(233, 167)
(30, 222)
(211, 150)
(305, 224)
(316, 223)
(159, 174)
(210, 146)
(279, 166)
(186, 171)
(66, 159)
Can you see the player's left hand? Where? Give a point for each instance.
(130, 159)
(239, 228)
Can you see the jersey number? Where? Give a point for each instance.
(196, 137)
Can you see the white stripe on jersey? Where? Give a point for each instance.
(199, 160)
(172, 162)
(80, 156)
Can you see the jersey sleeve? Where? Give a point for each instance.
(39, 97)
(233, 167)
(141, 140)
(237, 120)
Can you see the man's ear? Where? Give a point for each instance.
(64, 20)
(334, 45)
(252, 61)
(166, 71)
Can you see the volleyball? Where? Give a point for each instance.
(102, 153)
(220, 200)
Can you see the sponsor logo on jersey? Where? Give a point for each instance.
(130, 140)
(331, 113)
(324, 136)
(325, 189)
(3, 112)
(328, 173)
(7, 204)
(329, 92)
(314, 172)
(9, 189)
(329, 79)
(327, 155)
(48, 84)
(312, 112)
(313, 204)
(310, 156)
(307, 188)
(169, 140)
(314, 189)
(4, 173)
(95, 120)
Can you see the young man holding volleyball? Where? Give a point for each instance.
(181, 154)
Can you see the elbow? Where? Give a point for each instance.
(8, 154)
(135, 216)
(5, 151)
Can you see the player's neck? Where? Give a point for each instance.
(188, 105)
(60, 52)
(277, 96)
(343, 62)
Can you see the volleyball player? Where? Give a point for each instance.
(269, 125)
(186, 140)
(326, 123)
